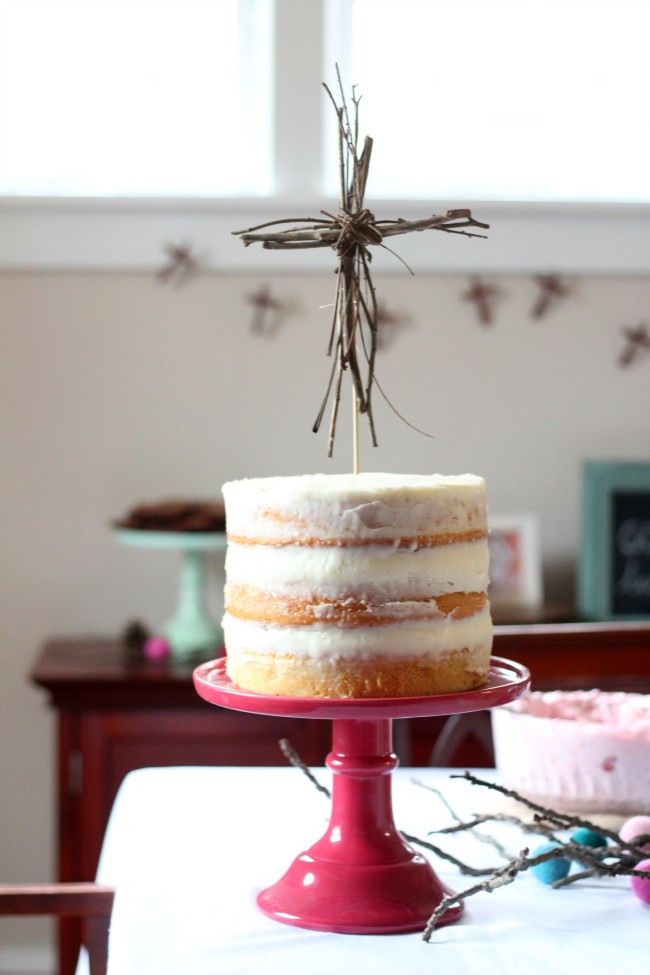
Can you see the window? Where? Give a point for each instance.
(526, 100)
(128, 124)
(135, 98)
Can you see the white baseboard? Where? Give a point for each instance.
(20, 960)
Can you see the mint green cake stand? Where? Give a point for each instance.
(191, 631)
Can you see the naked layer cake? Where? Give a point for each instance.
(576, 751)
(360, 585)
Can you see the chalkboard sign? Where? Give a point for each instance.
(631, 552)
(614, 567)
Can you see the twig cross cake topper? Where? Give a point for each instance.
(350, 233)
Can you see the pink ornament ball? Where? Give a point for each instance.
(633, 827)
(641, 885)
(156, 648)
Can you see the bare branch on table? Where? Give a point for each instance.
(294, 759)
(505, 875)
(543, 814)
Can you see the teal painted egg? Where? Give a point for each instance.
(550, 870)
(588, 837)
(641, 885)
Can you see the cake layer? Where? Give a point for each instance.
(247, 603)
(402, 638)
(300, 676)
(376, 572)
(410, 510)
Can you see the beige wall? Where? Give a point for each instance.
(115, 388)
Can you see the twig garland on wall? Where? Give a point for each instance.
(270, 312)
(637, 343)
(485, 295)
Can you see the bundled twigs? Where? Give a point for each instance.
(343, 229)
(351, 232)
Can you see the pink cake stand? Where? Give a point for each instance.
(361, 877)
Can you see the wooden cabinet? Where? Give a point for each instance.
(116, 714)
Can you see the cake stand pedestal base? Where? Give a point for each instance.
(361, 877)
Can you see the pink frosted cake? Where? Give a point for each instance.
(578, 751)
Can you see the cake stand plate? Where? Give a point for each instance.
(361, 877)
(191, 630)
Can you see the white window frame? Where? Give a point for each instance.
(44, 234)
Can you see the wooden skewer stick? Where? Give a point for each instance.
(355, 430)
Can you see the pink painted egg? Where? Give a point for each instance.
(641, 885)
(633, 827)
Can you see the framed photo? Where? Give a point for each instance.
(515, 561)
(614, 566)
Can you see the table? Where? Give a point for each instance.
(189, 848)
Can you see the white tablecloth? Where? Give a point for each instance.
(188, 849)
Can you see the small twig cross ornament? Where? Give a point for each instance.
(181, 264)
(388, 323)
(267, 311)
(637, 339)
(483, 295)
(551, 290)
(350, 233)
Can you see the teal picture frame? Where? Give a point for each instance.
(614, 561)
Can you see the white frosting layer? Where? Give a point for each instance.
(429, 638)
(372, 572)
(360, 507)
